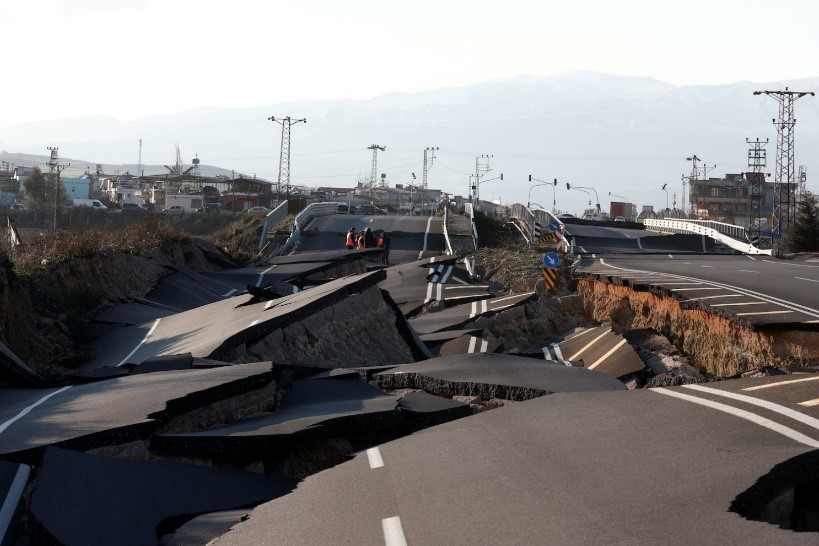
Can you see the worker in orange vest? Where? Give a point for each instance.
(351, 239)
(361, 244)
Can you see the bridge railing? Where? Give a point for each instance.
(533, 223)
(469, 211)
(271, 219)
(302, 220)
(701, 227)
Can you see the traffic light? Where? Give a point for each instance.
(555, 181)
(530, 178)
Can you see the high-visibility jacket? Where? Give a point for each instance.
(350, 241)
(361, 242)
(381, 241)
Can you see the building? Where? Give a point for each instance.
(728, 200)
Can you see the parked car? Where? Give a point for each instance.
(174, 209)
(258, 210)
(619, 219)
(19, 206)
(211, 207)
(133, 207)
(565, 215)
(95, 204)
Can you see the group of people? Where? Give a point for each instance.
(366, 239)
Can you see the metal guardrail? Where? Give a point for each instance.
(470, 212)
(530, 220)
(271, 219)
(302, 220)
(446, 232)
(699, 227)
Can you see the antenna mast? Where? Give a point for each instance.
(375, 148)
(428, 165)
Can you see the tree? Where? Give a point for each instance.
(40, 190)
(803, 235)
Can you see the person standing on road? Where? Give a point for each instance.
(369, 238)
(351, 239)
(384, 243)
(361, 240)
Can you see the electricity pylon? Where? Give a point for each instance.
(284, 155)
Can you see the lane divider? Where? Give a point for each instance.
(374, 457)
(25, 411)
(141, 343)
(393, 532)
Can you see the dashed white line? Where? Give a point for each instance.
(262, 274)
(393, 532)
(589, 344)
(740, 304)
(754, 418)
(810, 403)
(747, 271)
(374, 457)
(689, 289)
(426, 235)
(781, 383)
(763, 313)
(25, 411)
(804, 279)
(714, 297)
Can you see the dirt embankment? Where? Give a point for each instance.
(713, 344)
(43, 314)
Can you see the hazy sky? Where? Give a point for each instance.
(130, 59)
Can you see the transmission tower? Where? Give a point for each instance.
(284, 153)
(428, 165)
(757, 161)
(784, 205)
(374, 173)
(802, 179)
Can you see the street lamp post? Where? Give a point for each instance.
(544, 183)
(665, 189)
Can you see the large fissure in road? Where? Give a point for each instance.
(714, 344)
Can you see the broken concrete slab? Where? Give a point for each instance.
(494, 376)
(73, 501)
(469, 344)
(203, 529)
(601, 349)
(121, 409)
(455, 317)
(309, 410)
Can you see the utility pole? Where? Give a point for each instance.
(428, 165)
(284, 154)
(784, 205)
(374, 173)
(54, 169)
(757, 161)
(139, 164)
(481, 168)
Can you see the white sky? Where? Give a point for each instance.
(130, 59)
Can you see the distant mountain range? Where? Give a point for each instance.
(623, 135)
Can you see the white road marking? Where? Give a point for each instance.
(15, 493)
(474, 310)
(714, 297)
(25, 411)
(810, 403)
(584, 332)
(393, 532)
(589, 344)
(747, 271)
(429, 293)
(448, 274)
(255, 322)
(608, 354)
(682, 283)
(709, 266)
(754, 418)
(671, 256)
(426, 235)
(375, 458)
(229, 293)
(687, 289)
(141, 343)
(473, 341)
(804, 279)
(269, 304)
(262, 274)
(776, 408)
(763, 313)
(779, 383)
(559, 354)
(740, 303)
(484, 345)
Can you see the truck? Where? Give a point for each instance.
(93, 203)
(626, 210)
(191, 203)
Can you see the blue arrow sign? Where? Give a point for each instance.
(550, 260)
(554, 225)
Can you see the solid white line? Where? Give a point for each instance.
(474, 310)
(25, 411)
(229, 293)
(776, 408)
(778, 383)
(506, 298)
(559, 355)
(608, 354)
(393, 532)
(709, 266)
(429, 293)
(747, 271)
(715, 297)
(472, 342)
(269, 304)
(440, 294)
(484, 345)
(255, 322)
(15, 493)
(584, 332)
(141, 343)
(741, 303)
(589, 344)
(426, 234)
(485, 306)
(754, 418)
(261, 275)
(810, 403)
(448, 274)
(688, 289)
(375, 458)
(804, 279)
